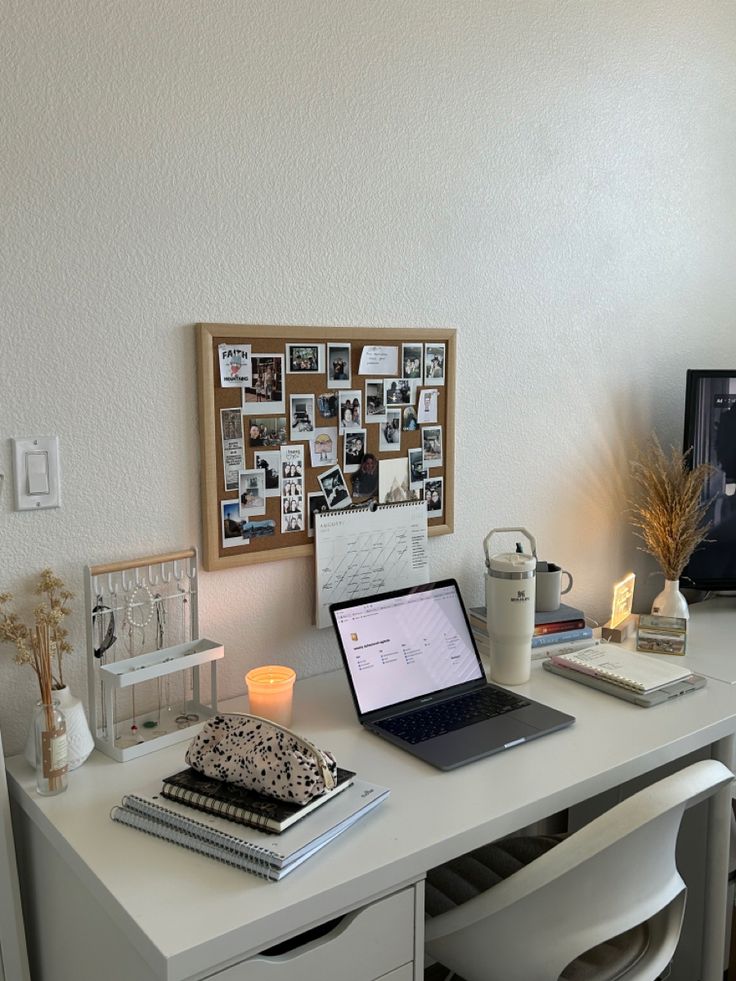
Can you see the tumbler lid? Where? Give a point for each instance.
(512, 565)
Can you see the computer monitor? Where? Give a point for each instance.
(710, 431)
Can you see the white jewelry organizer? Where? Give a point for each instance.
(144, 654)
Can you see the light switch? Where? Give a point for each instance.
(36, 472)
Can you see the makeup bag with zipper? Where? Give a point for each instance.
(261, 755)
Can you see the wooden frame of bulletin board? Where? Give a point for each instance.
(252, 369)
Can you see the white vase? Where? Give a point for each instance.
(79, 738)
(671, 602)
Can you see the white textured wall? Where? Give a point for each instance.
(555, 179)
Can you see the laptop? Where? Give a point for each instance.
(417, 679)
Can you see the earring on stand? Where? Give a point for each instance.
(139, 609)
(184, 718)
(160, 681)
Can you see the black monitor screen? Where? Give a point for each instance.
(710, 429)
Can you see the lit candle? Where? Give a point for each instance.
(270, 690)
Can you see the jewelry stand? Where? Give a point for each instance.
(144, 654)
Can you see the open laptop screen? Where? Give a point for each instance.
(406, 644)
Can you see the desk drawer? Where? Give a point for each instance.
(363, 945)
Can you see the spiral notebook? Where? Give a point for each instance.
(365, 551)
(269, 855)
(616, 664)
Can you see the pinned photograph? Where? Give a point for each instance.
(292, 461)
(267, 432)
(432, 445)
(292, 505)
(252, 491)
(232, 526)
(292, 488)
(316, 504)
(301, 410)
(434, 364)
(234, 365)
(417, 473)
(351, 410)
(427, 405)
(305, 359)
(375, 401)
(411, 360)
(353, 450)
(266, 386)
(399, 391)
(258, 529)
(393, 482)
(409, 419)
(294, 522)
(433, 495)
(338, 365)
(323, 447)
(334, 488)
(389, 433)
(365, 479)
(269, 461)
(233, 453)
(327, 405)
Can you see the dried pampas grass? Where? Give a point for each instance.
(666, 505)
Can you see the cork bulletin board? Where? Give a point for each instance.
(299, 419)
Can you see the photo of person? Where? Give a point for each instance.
(389, 433)
(409, 419)
(232, 526)
(353, 450)
(252, 491)
(301, 410)
(294, 523)
(305, 359)
(434, 363)
(338, 365)
(266, 384)
(417, 473)
(269, 462)
(327, 405)
(411, 360)
(432, 445)
(398, 391)
(316, 504)
(433, 496)
(375, 401)
(350, 410)
(365, 480)
(267, 432)
(334, 488)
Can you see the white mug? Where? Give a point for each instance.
(549, 587)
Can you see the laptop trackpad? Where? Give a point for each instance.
(475, 741)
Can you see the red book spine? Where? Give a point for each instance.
(555, 628)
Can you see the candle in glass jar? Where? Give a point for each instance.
(270, 690)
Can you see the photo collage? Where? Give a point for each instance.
(323, 426)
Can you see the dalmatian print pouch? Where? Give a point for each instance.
(261, 755)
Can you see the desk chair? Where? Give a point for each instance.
(604, 904)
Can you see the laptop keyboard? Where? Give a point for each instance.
(456, 713)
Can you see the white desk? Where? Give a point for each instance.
(145, 909)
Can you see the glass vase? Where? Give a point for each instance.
(51, 749)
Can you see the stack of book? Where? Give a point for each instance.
(564, 628)
(251, 831)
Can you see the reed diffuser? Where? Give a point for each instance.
(669, 516)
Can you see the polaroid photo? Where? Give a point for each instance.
(234, 365)
(292, 462)
(339, 372)
(354, 444)
(365, 479)
(351, 410)
(432, 446)
(375, 400)
(334, 488)
(399, 391)
(316, 504)
(427, 405)
(266, 387)
(269, 461)
(232, 526)
(409, 419)
(434, 364)
(393, 482)
(327, 405)
(233, 454)
(301, 411)
(417, 473)
(252, 492)
(434, 496)
(323, 447)
(267, 432)
(389, 433)
(305, 359)
(411, 360)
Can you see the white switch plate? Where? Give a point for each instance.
(29, 454)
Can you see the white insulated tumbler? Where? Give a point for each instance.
(510, 586)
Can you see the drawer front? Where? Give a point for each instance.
(404, 973)
(365, 945)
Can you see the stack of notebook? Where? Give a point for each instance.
(243, 828)
(563, 629)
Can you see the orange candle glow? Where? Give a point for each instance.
(270, 691)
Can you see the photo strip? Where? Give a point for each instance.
(292, 489)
